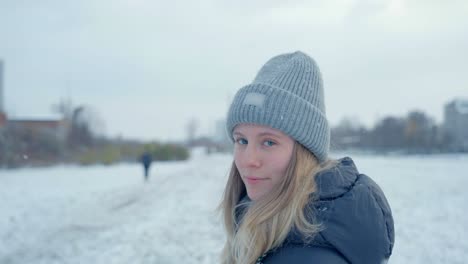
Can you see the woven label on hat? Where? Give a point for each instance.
(255, 99)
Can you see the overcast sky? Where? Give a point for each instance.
(147, 67)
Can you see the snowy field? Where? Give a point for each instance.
(107, 215)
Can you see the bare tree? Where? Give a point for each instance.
(83, 122)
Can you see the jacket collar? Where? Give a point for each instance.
(337, 180)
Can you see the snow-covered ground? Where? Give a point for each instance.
(99, 214)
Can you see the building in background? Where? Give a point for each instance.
(455, 124)
(53, 127)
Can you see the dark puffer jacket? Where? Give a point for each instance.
(356, 219)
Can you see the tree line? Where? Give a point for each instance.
(415, 133)
(81, 143)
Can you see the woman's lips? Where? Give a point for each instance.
(254, 180)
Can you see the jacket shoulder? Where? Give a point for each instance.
(354, 215)
(359, 223)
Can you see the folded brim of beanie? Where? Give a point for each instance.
(263, 104)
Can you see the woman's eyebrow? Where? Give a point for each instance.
(262, 134)
(269, 134)
(237, 133)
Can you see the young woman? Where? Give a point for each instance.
(285, 200)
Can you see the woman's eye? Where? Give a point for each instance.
(242, 141)
(269, 143)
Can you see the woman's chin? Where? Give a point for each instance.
(254, 195)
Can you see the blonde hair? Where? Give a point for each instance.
(267, 221)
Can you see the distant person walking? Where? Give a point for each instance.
(146, 160)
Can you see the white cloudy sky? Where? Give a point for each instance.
(147, 67)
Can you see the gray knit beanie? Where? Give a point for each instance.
(286, 94)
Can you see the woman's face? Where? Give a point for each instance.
(262, 155)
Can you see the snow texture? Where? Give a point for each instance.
(99, 214)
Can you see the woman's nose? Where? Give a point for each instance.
(252, 156)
